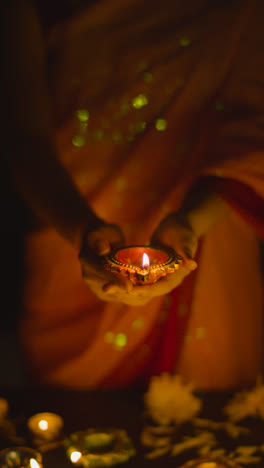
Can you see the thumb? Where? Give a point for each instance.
(104, 239)
(188, 261)
(101, 246)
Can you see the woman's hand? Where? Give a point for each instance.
(95, 244)
(107, 285)
(174, 231)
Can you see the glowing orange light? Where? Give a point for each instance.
(33, 463)
(75, 456)
(145, 261)
(43, 425)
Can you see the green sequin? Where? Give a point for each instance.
(185, 41)
(82, 115)
(120, 340)
(219, 106)
(78, 141)
(139, 101)
(161, 124)
(148, 77)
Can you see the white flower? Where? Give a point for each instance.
(169, 400)
(246, 404)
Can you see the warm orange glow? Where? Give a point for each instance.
(33, 463)
(208, 465)
(145, 261)
(43, 425)
(75, 456)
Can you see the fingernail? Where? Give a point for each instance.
(102, 247)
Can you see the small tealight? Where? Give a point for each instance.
(17, 457)
(45, 426)
(75, 456)
(33, 463)
(95, 447)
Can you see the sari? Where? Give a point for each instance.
(150, 97)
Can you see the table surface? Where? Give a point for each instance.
(118, 409)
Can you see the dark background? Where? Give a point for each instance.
(13, 225)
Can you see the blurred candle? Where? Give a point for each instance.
(18, 457)
(45, 426)
(33, 463)
(75, 456)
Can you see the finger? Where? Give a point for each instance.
(93, 270)
(152, 290)
(163, 286)
(113, 287)
(118, 282)
(119, 296)
(101, 246)
(110, 288)
(186, 247)
(184, 252)
(102, 240)
(187, 260)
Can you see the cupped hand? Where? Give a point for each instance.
(175, 232)
(107, 285)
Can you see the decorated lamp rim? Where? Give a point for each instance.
(22, 450)
(173, 258)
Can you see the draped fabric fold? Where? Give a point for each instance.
(150, 97)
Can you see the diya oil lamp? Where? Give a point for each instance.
(143, 264)
(20, 457)
(45, 427)
(211, 462)
(99, 447)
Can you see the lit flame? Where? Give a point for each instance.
(75, 456)
(145, 261)
(43, 425)
(33, 463)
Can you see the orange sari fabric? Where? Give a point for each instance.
(149, 96)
